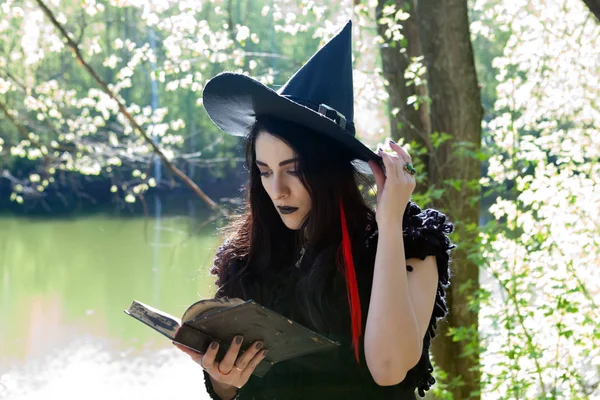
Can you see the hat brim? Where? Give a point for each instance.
(233, 101)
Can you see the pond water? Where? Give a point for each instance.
(64, 284)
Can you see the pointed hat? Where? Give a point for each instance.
(319, 96)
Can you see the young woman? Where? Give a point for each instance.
(310, 248)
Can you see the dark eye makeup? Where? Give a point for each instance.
(267, 173)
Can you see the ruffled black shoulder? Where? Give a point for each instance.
(425, 234)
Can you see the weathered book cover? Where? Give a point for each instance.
(222, 319)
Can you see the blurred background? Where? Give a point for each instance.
(114, 183)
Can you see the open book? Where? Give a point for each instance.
(222, 319)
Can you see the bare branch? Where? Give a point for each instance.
(173, 169)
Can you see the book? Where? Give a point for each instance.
(224, 318)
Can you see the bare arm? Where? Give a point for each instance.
(400, 309)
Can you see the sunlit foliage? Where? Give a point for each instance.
(542, 250)
(156, 57)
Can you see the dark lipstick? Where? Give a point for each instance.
(287, 210)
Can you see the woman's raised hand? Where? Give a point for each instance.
(395, 187)
(234, 369)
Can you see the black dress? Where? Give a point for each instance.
(335, 374)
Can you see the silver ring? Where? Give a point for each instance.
(238, 368)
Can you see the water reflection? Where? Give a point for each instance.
(96, 369)
(64, 285)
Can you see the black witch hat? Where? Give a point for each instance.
(319, 96)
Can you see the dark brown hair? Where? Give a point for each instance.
(260, 245)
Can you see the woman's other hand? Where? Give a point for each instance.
(234, 370)
(395, 189)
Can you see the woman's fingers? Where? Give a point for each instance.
(379, 176)
(227, 363)
(388, 165)
(390, 161)
(403, 154)
(401, 159)
(258, 357)
(209, 358)
(243, 360)
(233, 370)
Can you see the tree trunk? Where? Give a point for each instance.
(406, 122)
(594, 6)
(456, 110)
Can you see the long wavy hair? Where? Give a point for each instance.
(259, 245)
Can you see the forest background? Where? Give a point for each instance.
(498, 100)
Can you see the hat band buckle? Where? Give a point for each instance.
(333, 115)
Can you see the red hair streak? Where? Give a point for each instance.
(351, 284)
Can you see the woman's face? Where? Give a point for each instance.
(277, 163)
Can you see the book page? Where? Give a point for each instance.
(155, 319)
(207, 305)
